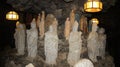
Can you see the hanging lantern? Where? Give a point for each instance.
(93, 6)
(12, 15)
(95, 20)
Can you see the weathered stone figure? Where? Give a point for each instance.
(83, 24)
(90, 26)
(84, 63)
(92, 43)
(41, 27)
(75, 45)
(49, 21)
(32, 38)
(55, 24)
(102, 42)
(20, 38)
(51, 46)
(72, 18)
(67, 28)
(38, 21)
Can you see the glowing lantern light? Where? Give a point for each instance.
(12, 15)
(93, 6)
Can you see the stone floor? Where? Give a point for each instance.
(8, 58)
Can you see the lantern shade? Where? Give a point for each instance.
(95, 20)
(93, 6)
(12, 15)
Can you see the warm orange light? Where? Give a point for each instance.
(12, 15)
(93, 6)
(95, 20)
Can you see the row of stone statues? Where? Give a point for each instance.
(95, 42)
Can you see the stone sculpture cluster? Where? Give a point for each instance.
(95, 41)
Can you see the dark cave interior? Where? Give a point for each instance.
(108, 19)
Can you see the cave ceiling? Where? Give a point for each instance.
(36, 6)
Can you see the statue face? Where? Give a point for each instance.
(33, 23)
(75, 26)
(20, 25)
(101, 30)
(94, 27)
(50, 28)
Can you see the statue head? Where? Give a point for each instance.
(33, 23)
(75, 26)
(19, 25)
(43, 15)
(94, 27)
(101, 30)
(38, 16)
(55, 22)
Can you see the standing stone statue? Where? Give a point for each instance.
(102, 42)
(41, 27)
(55, 24)
(49, 20)
(51, 46)
(67, 28)
(75, 45)
(72, 18)
(20, 38)
(90, 26)
(32, 38)
(83, 24)
(38, 21)
(84, 63)
(92, 43)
